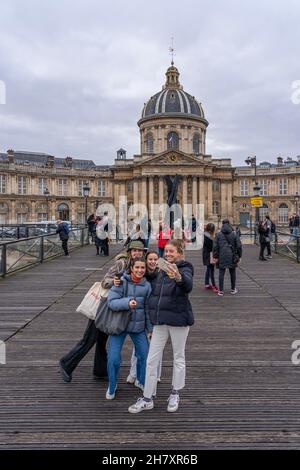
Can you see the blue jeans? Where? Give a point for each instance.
(114, 359)
(210, 274)
(161, 252)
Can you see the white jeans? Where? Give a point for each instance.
(161, 333)
(134, 362)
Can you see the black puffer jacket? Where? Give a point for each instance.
(169, 303)
(207, 248)
(222, 249)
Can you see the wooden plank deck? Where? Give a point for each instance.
(242, 389)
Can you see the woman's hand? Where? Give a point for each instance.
(174, 272)
(117, 281)
(132, 303)
(149, 335)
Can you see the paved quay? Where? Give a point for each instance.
(242, 389)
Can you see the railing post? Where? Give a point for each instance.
(82, 237)
(3, 261)
(41, 249)
(298, 248)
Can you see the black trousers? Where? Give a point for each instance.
(91, 337)
(64, 244)
(263, 245)
(106, 247)
(232, 272)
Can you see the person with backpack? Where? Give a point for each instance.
(63, 231)
(172, 315)
(133, 295)
(227, 251)
(263, 231)
(270, 225)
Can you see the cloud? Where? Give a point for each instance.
(78, 73)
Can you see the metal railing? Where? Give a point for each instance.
(285, 244)
(20, 254)
(18, 231)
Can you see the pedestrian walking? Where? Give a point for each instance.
(271, 230)
(171, 314)
(101, 236)
(63, 231)
(207, 257)
(133, 295)
(91, 222)
(227, 250)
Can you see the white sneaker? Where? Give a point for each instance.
(234, 291)
(158, 380)
(108, 396)
(138, 384)
(173, 402)
(130, 379)
(141, 405)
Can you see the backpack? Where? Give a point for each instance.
(66, 228)
(273, 227)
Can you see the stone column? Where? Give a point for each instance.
(150, 195)
(144, 192)
(12, 213)
(161, 190)
(195, 193)
(229, 201)
(209, 199)
(135, 191)
(224, 208)
(184, 192)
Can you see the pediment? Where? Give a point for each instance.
(171, 157)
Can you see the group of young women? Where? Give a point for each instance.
(159, 308)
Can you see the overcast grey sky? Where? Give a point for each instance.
(77, 73)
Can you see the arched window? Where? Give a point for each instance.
(63, 212)
(283, 213)
(149, 142)
(216, 207)
(263, 211)
(196, 144)
(172, 141)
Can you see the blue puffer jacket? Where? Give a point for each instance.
(169, 303)
(117, 301)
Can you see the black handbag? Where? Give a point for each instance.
(109, 321)
(235, 256)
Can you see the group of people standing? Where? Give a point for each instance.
(159, 308)
(224, 251)
(99, 231)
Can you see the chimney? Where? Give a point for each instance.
(279, 161)
(50, 161)
(10, 156)
(298, 158)
(68, 162)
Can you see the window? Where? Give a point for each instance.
(80, 218)
(263, 187)
(216, 207)
(42, 216)
(244, 188)
(283, 214)
(42, 185)
(62, 187)
(172, 141)
(196, 144)
(2, 184)
(130, 186)
(149, 142)
(216, 186)
(263, 211)
(81, 184)
(102, 188)
(283, 186)
(22, 185)
(21, 218)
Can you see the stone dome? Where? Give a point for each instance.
(172, 100)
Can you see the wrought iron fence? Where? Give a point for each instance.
(19, 254)
(18, 231)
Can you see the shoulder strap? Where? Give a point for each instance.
(230, 244)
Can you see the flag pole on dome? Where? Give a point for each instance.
(172, 51)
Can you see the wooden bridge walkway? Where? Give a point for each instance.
(242, 389)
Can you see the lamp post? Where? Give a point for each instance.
(86, 191)
(256, 189)
(46, 193)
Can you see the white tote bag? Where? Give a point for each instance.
(91, 300)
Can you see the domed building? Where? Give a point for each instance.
(173, 142)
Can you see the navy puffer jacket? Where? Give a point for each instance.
(169, 303)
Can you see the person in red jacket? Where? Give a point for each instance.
(164, 236)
